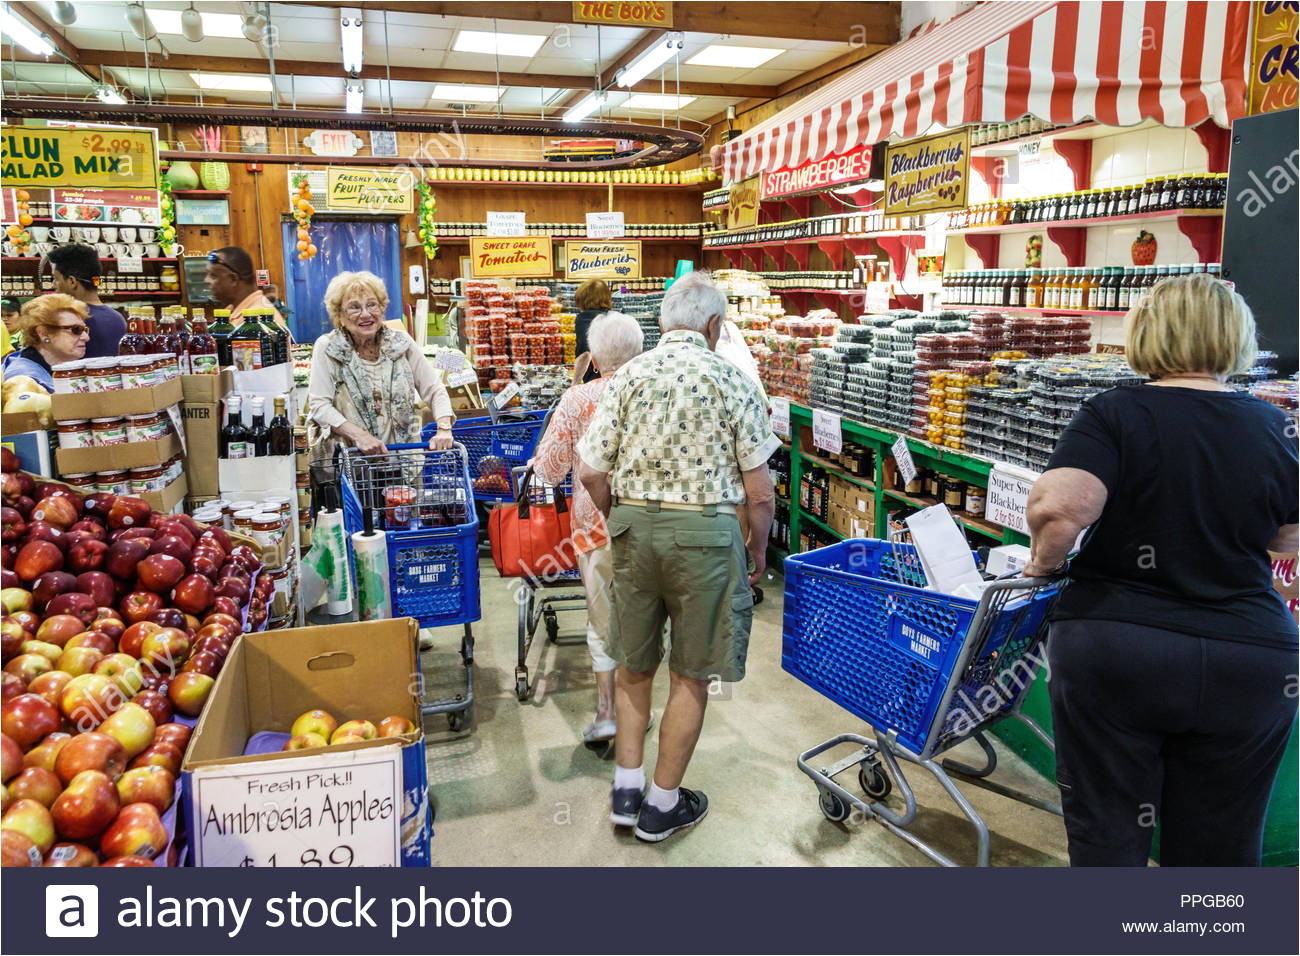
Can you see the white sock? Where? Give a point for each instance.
(625, 779)
(661, 799)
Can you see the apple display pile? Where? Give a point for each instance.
(117, 619)
(317, 728)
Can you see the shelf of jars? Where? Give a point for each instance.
(642, 178)
(1062, 290)
(692, 232)
(102, 259)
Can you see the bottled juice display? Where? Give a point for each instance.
(234, 436)
(259, 438)
(280, 431)
(149, 330)
(1034, 289)
(248, 343)
(277, 339)
(201, 349)
(169, 340)
(221, 330)
(133, 342)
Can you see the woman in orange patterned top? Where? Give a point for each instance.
(613, 339)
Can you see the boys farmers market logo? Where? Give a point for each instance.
(927, 175)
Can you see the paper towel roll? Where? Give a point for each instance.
(337, 571)
(370, 554)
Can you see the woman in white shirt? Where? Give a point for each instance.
(368, 381)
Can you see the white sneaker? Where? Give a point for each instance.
(426, 639)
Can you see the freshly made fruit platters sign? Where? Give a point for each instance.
(331, 809)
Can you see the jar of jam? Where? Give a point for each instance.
(975, 500)
(283, 504)
(137, 371)
(103, 375)
(267, 528)
(174, 468)
(145, 480)
(108, 431)
(954, 492)
(142, 427)
(87, 484)
(243, 521)
(113, 483)
(168, 367)
(70, 378)
(76, 434)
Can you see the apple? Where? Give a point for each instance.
(12, 758)
(71, 855)
(109, 622)
(205, 564)
(173, 527)
(189, 691)
(76, 604)
(34, 559)
(11, 685)
(13, 635)
(99, 505)
(170, 617)
(160, 755)
(305, 742)
(246, 556)
(203, 662)
(394, 726)
(132, 726)
(351, 737)
(18, 599)
(28, 667)
(57, 510)
(122, 557)
(46, 752)
(80, 660)
(36, 783)
(27, 619)
(157, 705)
(92, 526)
(97, 640)
(173, 547)
(359, 728)
(139, 604)
(7, 578)
(44, 531)
(155, 679)
(175, 734)
(50, 585)
(18, 849)
(33, 820)
(52, 489)
(153, 785)
(160, 572)
(60, 628)
(91, 751)
(51, 651)
(12, 525)
(86, 807)
(129, 512)
(217, 536)
(50, 685)
(137, 831)
(314, 722)
(128, 861)
(128, 534)
(233, 569)
(212, 644)
(99, 585)
(231, 621)
(124, 671)
(24, 505)
(27, 718)
(166, 649)
(133, 637)
(233, 588)
(85, 555)
(193, 594)
(89, 699)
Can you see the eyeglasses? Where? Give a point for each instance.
(363, 309)
(77, 330)
(213, 257)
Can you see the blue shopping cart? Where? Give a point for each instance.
(422, 500)
(926, 670)
(493, 448)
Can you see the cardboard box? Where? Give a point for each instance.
(16, 423)
(207, 389)
(135, 454)
(167, 499)
(127, 401)
(352, 671)
(202, 441)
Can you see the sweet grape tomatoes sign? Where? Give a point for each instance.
(818, 174)
(104, 157)
(518, 257)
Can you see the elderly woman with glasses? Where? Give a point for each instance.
(53, 329)
(369, 382)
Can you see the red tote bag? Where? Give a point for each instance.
(531, 540)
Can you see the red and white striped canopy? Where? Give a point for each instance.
(1119, 62)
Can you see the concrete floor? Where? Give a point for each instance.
(519, 788)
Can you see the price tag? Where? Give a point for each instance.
(878, 294)
(501, 399)
(1029, 153)
(604, 225)
(903, 456)
(505, 224)
(178, 426)
(781, 416)
(826, 431)
(1008, 497)
(127, 264)
(462, 378)
(325, 810)
(449, 361)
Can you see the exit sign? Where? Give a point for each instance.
(333, 142)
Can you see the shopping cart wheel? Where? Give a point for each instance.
(552, 625)
(521, 684)
(874, 782)
(833, 808)
(458, 720)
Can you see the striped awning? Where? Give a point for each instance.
(1118, 62)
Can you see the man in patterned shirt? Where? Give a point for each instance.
(679, 439)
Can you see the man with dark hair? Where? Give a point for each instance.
(9, 311)
(231, 281)
(76, 273)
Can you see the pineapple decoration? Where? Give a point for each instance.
(427, 232)
(302, 210)
(18, 234)
(167, 231)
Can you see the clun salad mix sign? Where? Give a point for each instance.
(927, 175)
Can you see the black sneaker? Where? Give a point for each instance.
(625, 803)
(756, 593)
(655, 825)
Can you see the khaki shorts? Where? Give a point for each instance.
(686, 567)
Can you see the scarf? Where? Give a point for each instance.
(398, 391)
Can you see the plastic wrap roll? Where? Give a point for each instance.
(337, 570)
(370, 555)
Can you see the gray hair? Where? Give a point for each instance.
(613, 338)
(691, 302)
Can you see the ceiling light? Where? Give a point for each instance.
(715, 54)
(353, 37)
(232, 82)
(229, 25)
(354, 97)
(466, 93)
(504, 44)
(650, 60)
(65, 14)
(139, 22)
(107, 94)
(589, 104)
(22, 34)
(254, 28)
(656, 101)
(192, 25)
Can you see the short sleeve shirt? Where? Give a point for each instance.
(679, 424)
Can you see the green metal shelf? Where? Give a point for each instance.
(805, 516)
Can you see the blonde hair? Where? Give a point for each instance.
(593, 294)
(345, 284)
(43, 311)
(1191, 324)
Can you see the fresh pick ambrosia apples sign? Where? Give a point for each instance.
(927, 175)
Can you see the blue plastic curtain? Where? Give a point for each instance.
(342, 246)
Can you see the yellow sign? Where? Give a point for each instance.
(927, 175)
(602, 259)
(104, 157)
(517, 256)
(370, 190)
(1275, 58)
(742, 204)
(627, 13)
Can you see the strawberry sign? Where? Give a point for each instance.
(1144, 249)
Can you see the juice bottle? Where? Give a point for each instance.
(149, 329)
(133, 342)
(1088, 286)
(1052, 290)
(170, 341)
(221, 330)
(246, 343)
(201, 350)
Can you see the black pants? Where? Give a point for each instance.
(1152, 724)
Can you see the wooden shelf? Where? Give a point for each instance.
(436, 184)
(837, 471)
(465, 240)
(978, 525)
(1170, 214)
(201, 193)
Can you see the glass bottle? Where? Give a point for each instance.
(221, 330)
(234, 437)
(149, 329)
(132, 343)
(1008, 285)
(280, 431)
(258, 437)
(247, 343)
(169, 340)
(201, 349)
(271, 338)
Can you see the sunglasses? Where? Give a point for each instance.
(77, 330)
(213, 257)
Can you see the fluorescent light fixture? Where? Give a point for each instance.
(589, 104)
(18, 30)
(232, 82)
(228, 25)
(715, 54)
(465, 93)
(107, 94)
(650, 60)
(504, 44)
(656, 101)
(355, 96)
(353, 38)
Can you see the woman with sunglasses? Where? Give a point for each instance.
(54, 330)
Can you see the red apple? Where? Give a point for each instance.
(174, 734)
(159, 572)
(24, 505)
(137, 831)
(212, 644)
(160, 755)
(79, 660)
(12, 634)
(28, 667)
(27, 718)
(218, 537)
(86, 555)
(158, 706)
(246, 556)
(93, 526)
(129, 512)
(395, 726)
(193, 594)
(202, 662)
(11, 685)
(50, 585)
(127, 534)
(56, 510)
(50, 685)
(233, 569)
(36, 783)
(165, 649)
(132, 726)
(91, 751)
(188, 692)
(60, 628)
(124, 671)
(354, 728)
(233, 588)
(36, 558)
(75, 603)
(153, 785)
(305, 742)
(99, 505)
(13, 758)
(18, 849)
(229, 607)
(223, 617)
(205, 564)
(139, 604)
(28, 619)
(88, 699)
(71, 855)
(99, 640)
(7, 578)
(33, 820)
(44, 531)
(133, 637)
(47, 751)
(123, 556)
(51, 489)
(86, 807)
(172, 532)
(12, 525)
(98, 585)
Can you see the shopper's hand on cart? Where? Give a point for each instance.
(441, 440)
(368, 444)
(1032, 570)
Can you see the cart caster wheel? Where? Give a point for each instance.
(552, 627)
(874, 782)
(521, 689)
(833, 808)
(457, 721)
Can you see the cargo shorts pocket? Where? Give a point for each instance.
(702, 539)
(742, 619)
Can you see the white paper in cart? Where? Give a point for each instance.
(945, 556)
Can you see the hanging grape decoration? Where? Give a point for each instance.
(302, 211)
(427, 231)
